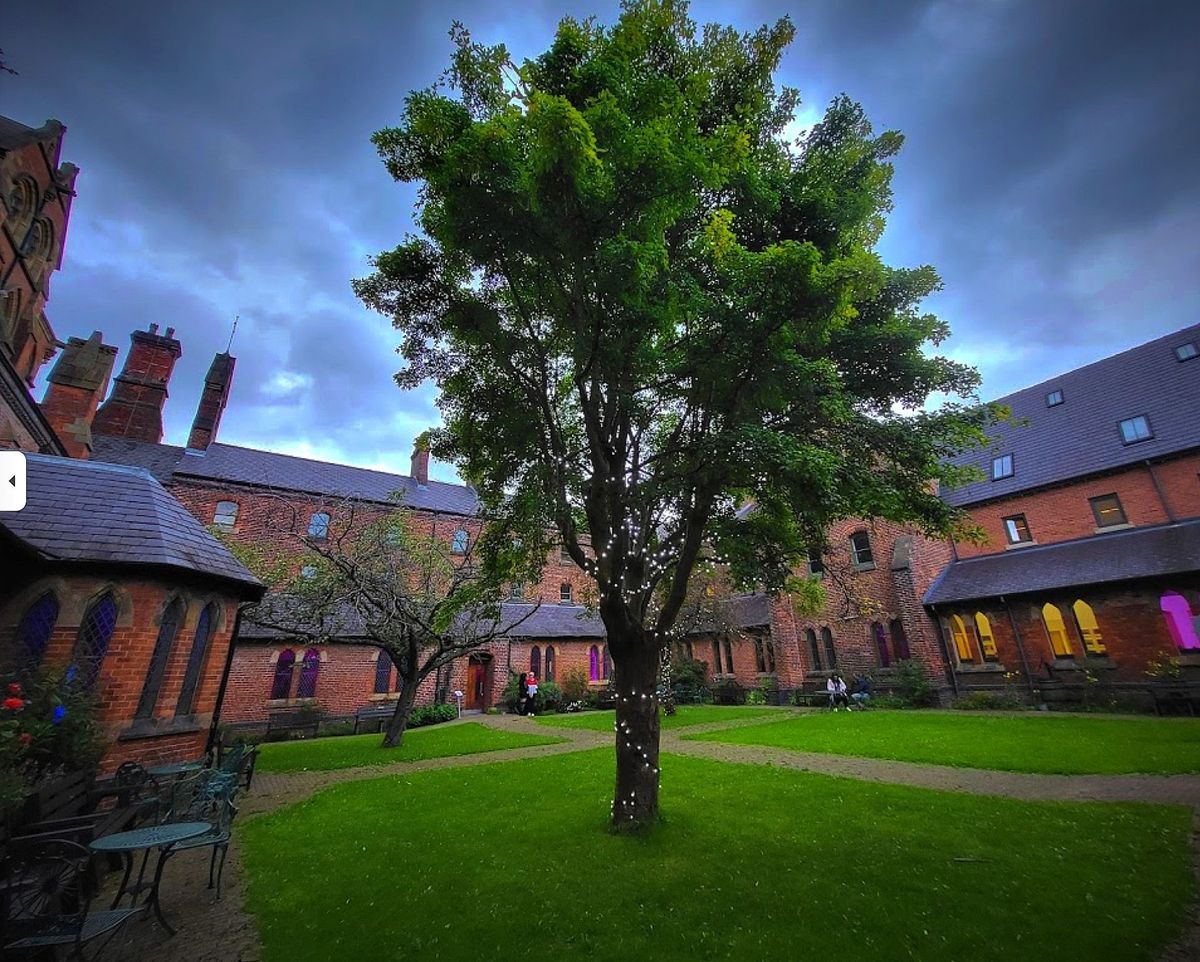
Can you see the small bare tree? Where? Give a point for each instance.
(370, 576)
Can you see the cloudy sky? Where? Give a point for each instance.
(1050, 174)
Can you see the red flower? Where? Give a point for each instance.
(25, 738)
(12, 704)
(14, 689)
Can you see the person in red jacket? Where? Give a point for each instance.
(531, 684)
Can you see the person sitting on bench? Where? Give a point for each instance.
(837, 692)
(862, 691)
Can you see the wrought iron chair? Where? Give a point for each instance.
(206, 797)
(44, 898)
(239, 761)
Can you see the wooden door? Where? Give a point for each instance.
(474, 692)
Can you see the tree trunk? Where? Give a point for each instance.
(635, 803)
(394, 733)
(667, 681)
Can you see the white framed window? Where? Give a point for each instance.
(318, 526)
(225, 515)
(1002, 467)
(460, 542)
(1136, 429)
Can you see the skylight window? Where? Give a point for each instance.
(1002, 467)
(1054, 398)
(1185, 352)
(1136, 429)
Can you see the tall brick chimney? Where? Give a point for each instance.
(212, 402)
(134, 409)
(420, 461)
(78, 381)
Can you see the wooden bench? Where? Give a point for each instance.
(811, 699)
(286, 724)
(67, 808)
(374, 713)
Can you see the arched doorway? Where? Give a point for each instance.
(478, 695)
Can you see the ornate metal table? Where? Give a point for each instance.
(162, 837)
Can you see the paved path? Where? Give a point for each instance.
(211, 931)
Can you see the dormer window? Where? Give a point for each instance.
(1002, 467)
(1136, 429)
(1185, 352)
(1054, 398)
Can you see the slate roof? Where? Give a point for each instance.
(86, 511)
(1146, 552)
(1080, 436)
(228, 462)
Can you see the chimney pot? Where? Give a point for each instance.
(170, 332)
(134, 409)
(153, 328)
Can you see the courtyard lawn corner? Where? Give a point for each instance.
(354, 751)
(775, 863)
(1044, 743)
(685, 716)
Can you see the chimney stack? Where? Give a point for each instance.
(420, 462)
(78, 380)
(212, 402)
(134, 409)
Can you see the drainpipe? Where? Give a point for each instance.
(1020, 644)
(1162, 498)
(216, 715)
(941, 637)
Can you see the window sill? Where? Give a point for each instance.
(1112, 527)
(1189, 658)
(383, 696)
(290, 702)
(1020, 544)
(158, 728)
(865, 566)
(988, 668)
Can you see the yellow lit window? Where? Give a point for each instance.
(1089, 628)
(962, 641)
(1059, 641)
(986, 641)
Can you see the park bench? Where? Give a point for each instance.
(374, 714)
(70, 808)
(300, 723)
(818, 698)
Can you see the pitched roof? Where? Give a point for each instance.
(1081, 436)
(228, 462)
(86, 511)
(1146, 552)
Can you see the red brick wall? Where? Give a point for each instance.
(1133, 629)
(140, 604)
(1062, 513)
(134, 408)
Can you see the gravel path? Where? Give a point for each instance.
(212, 931)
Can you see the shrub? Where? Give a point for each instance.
(689, 681)
(47, 726)
(431, 715)
(549, 697)
(986, 701)
(888, 701)
(913, 686)
(756, 697)
(729, 692)
(575, 684)
(336, 728)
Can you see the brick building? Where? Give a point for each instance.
(1090, 576)
(106, 572)
(35, 204)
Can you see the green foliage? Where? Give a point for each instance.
(643, 306)
(549, 697)
(690, 681)
(575, 684)
(431, 715)
(756, 697)
(47, 726)
(912, 684)
(942, 875)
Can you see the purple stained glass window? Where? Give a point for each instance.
(535, 662)
(195, 664)
(91, 644)
(605, 663)
(593, 663)
(281, 683)
(549, 663)
(36, 627)
(1180, 621)
(308, 674)
(885, 658)
(899, 640)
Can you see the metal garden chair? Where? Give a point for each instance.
(206, 797)
(44, 899)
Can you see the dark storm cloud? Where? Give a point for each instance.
(1049, 174)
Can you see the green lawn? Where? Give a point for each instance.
(513, 860)
(352, 751)
(1019, 743)
(602, 721)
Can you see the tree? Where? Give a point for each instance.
(644, 306)
(370, 577)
